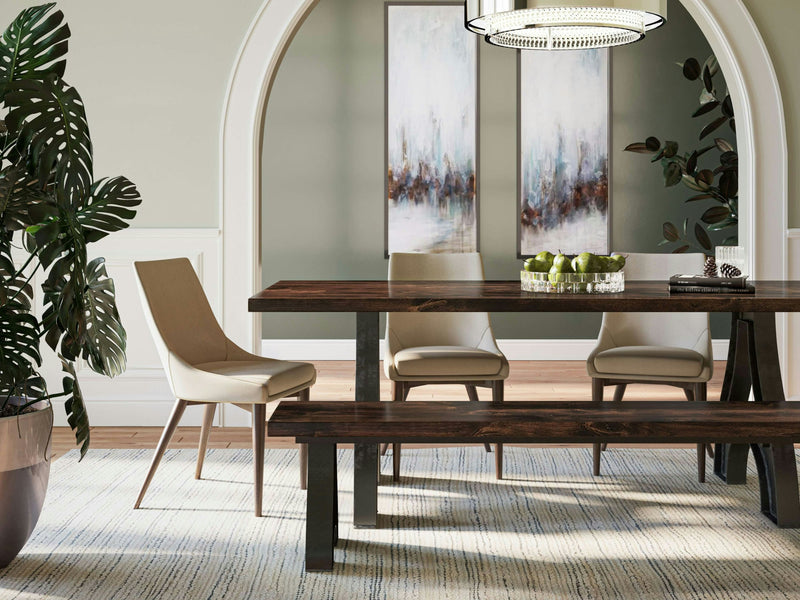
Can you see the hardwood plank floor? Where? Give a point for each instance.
(529, 380)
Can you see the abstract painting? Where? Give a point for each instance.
(563, 152)
(431, 70)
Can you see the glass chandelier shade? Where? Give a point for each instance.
(563, 24)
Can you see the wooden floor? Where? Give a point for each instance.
(529, 380)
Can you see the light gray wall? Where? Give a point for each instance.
(323, 159)
(153, 75)
(777, 20)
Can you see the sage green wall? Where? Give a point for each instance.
(323, 159)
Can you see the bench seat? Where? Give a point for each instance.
(323, 424)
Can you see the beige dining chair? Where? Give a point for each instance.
(441, 347)
(204, 367)
(655, 348)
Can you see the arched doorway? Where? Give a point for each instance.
(729, 30)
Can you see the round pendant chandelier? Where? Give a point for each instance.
(563, 24)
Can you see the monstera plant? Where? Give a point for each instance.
(716, 184)
(51, 209)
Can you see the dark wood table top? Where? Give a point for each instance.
(507, 296)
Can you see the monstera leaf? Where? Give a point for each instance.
(32, 46)
(108, 208)
(104, 347)
(22, 201)
(19, 345)
(81, 317)
(49, 120)
(76, 408)
(14, 286)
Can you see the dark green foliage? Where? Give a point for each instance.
(48, 199)
(719, 184)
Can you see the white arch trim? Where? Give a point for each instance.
(727, 25)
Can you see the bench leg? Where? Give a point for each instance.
(322, 512)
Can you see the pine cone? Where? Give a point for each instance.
(710, 267)
(729, 270)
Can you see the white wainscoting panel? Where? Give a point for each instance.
(791, 364)
(141, 395)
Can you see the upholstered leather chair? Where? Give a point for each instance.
(204, 367)
(441, 347)
(659, 348)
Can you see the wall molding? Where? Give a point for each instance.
(345, 349)
(140, 396)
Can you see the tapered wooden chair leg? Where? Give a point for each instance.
(699, 392)
(304, 396)
(498, 396)
(396, 462)
(472, 393)
(498, 461)
(597, 396)
(205, 430)
(166, 436)
(259, 431)
(399, 394)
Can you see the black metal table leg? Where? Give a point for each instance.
(365, 483)
(322, 514)
(777, 470)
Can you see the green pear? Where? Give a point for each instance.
(586, 262)
(545, 259)
(561, 265)
(537, 265)
(604, 264)
(616, 263)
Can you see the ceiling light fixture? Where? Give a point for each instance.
(563, 24)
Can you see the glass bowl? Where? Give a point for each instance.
(573, 283)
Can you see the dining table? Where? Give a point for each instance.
(752, 373)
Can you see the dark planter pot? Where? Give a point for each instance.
(24, 472)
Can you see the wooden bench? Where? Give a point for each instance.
(323, 424)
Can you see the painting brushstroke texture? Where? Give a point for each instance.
(564, 106)
(431, 130)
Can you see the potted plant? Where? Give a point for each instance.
(51, 209)
(717, 184)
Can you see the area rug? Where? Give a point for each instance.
(645, 529)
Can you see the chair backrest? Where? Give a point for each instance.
(406, 330)
(683, 330)
(180, 318)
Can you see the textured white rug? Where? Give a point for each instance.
(645, 529)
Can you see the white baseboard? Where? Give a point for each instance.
(513, 349)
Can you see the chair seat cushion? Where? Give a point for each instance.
(447, 361)
(277, 375)
(655, 361)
